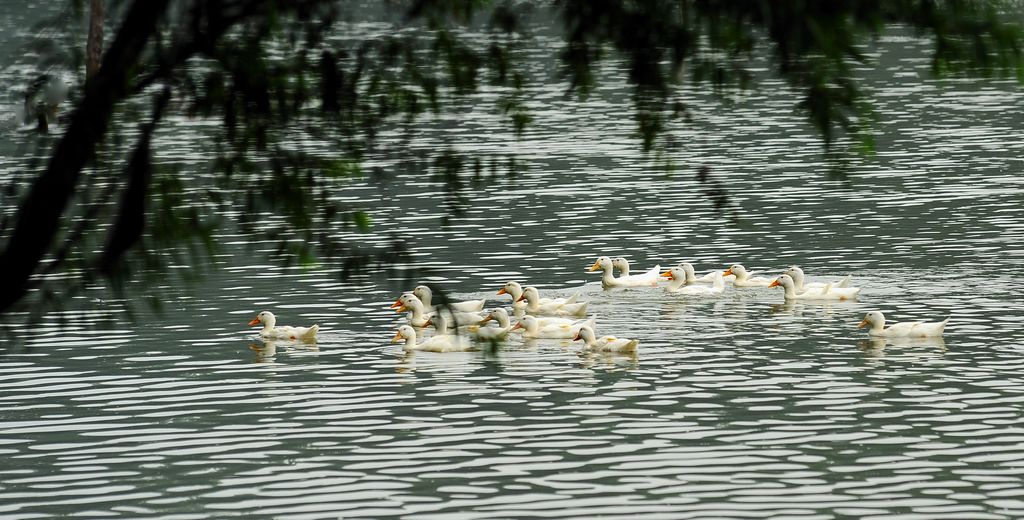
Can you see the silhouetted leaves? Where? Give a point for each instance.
(273, 71)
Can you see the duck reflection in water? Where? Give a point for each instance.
(595, 359)
(450, 363)
(822, 308)
(917, 349)
(266, 350)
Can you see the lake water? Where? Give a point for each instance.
(741, 406)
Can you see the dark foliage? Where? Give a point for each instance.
(268, 70)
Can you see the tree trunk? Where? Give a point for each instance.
(38, 218)
(94, 47)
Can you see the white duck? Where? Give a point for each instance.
(500, 315)
(826, 293)
(797, 275)
(426, 296)
(606, 343)
(678, 285)
(648, 279)
(516, 291)
(534, 305)
(623, 266)
(437, 343)
(270, 331)
(708, 278)
(908, 329)
(532, 328)
(418, 315)
(743, 278)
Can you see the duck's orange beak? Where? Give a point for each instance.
(668, 274)
(863, 323)
(518, 325)
(255, 321)
(398, 303)
(521, 298)
(428, 323)
(502, 291)
(774, 283)
(727, 272)
(596, 266)
(486, 319)
(397, 338)
(577, 338)
(403, 308)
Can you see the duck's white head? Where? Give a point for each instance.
(687, 268)
(439, 322)
(676, 273)
(423, 293)
(406, 302)
(399, 304)
(785, 281)
(736, 269)
(621, 264)
(873, 318)
(266, 318)
(526, 322)
(530, 294)
(512, 288)
(795, 273)
(499, 314)
(586, 334)
(404, 332)
(603, 263)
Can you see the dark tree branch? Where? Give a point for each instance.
(131, 220)
(38, 219)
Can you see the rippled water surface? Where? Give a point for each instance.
(741, 406)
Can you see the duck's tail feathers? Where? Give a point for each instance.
(844, 282)
(653, 273)
(575, 309)
(631, 346)
(573, 298)
(310, 335)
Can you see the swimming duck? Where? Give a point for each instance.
(797, 275)
(516, 291)
(743, 278)
(907, 329)
(532, 328)
(678, 285)
(418, 314)
(534, 306)
(437, 343)
(426, 296)
(500, 315)
(648, 279)
(826, 293)
(606, 343)
(271, 331)
(707, 278)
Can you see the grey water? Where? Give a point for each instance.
(740, 406)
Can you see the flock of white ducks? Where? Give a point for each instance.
(566, 318)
